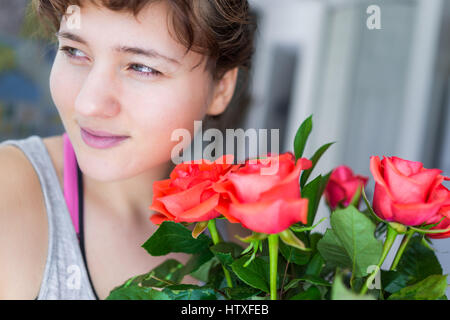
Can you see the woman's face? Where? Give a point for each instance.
(125, 93)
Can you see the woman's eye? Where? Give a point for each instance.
(144, 71)
(141, 70)
(72, 52)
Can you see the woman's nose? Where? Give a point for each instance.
(98, 94)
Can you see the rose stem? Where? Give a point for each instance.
(216, 239)
(390, 238)
(402, 248)
(273, 256)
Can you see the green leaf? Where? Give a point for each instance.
(313, 192)
(352, 235)
(314, 159)
(315, 266)
(135, 292)
(167, 273)
(301, 137)
(202, 272)
(164, 274)
(311, 294)
(241, 293)
(417, 263)
(196, 261)
(174, 237)
(226, 252)
(256, 274)
(431, 288)
(356, 233)
(314, 238)
(341, 292)
(332, 250)
(216, 277)
(314, 280)
(132, 289)
(294, 255)
(190, 292)
(393, 281)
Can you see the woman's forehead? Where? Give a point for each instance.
(148, 33)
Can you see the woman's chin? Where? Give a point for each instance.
(103, 173)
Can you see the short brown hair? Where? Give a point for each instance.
(222, 30)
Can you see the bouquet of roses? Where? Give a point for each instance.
(283, 258)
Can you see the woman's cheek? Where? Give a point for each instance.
(171, 107)
(64, 84)
(160, 121)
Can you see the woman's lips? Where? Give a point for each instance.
(100, 140)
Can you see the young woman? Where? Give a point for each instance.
(74, 208)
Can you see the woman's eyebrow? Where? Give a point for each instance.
(151, 53)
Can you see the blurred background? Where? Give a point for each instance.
(375, 91)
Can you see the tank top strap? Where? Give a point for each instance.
(71, 183)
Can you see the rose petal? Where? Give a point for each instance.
(250, 186)
(334, 193)
(350, 187)
(406, 167)
(414, 214)
(289, 187)
(342, 173)
(162, 188)
(270, 217)
(179, 202)
(406, 189)
(377, 170)
(287, 190)
(224, 208)
(158, 206)
(382, 202)
(158, 218)
(202, 212)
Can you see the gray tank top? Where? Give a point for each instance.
(65, 276)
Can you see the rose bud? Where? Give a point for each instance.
(344, 188)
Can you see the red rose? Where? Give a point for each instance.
(343, 186)
(265, 203)
(444, 212)
(407, 193)
(188, 195)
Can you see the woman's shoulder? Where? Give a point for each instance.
(23, 218)
(15, 164)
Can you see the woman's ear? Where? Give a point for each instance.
(223, 92)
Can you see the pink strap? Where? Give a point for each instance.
(71, 181)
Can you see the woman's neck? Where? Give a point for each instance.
(129, 198)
